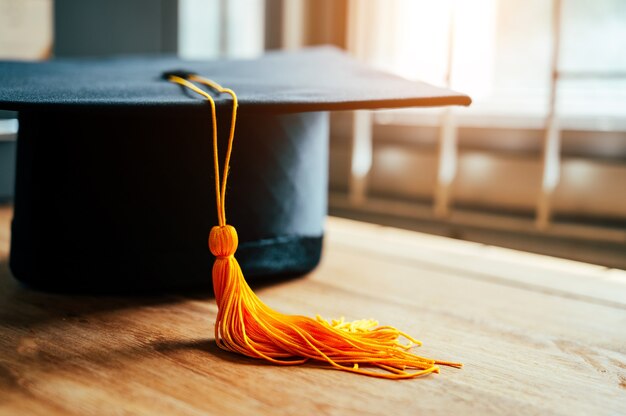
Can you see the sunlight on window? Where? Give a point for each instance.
(474, 41)
(501, 52)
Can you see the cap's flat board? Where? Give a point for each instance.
(314, 79)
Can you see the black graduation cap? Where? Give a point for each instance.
(114, 164)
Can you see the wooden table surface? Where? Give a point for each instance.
(537, 335)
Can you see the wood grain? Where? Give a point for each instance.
(537, 335)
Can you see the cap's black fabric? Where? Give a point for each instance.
(314, 79)
(107, 201)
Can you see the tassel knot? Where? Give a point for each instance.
(223, 241)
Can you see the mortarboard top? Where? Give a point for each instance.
(315, 79)
(114, 164)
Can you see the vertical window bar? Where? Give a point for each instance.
(361, 157)
(447, 157)
(552, 140)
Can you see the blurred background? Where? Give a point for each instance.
(537, 163)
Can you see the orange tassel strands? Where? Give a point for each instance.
(247, 326)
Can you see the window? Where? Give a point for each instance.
(504, 164)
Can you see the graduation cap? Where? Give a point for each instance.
(113, 188)
(115, 165)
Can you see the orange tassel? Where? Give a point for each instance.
(247, 326)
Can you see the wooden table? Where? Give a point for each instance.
(537, 335)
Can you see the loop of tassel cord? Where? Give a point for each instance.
(247, 326)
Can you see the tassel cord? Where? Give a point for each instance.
(247, 326)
